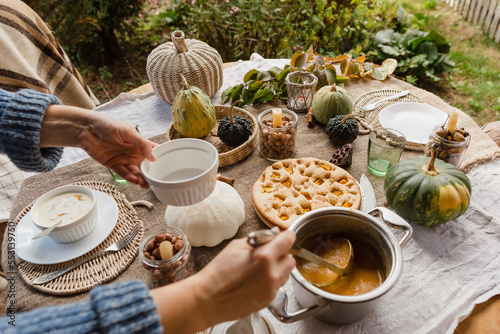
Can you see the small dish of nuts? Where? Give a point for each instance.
(166, 255)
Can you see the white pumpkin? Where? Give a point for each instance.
(212, 220)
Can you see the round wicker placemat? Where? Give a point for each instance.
(98, 270)
(227, 155)
(369, 119)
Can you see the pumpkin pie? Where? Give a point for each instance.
(289, 188)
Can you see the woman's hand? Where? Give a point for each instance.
(239, 281)
(110, 141)
(118, 146)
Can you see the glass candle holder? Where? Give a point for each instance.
(173, 269)
(300, 87)
(277, 143)
(450, 151)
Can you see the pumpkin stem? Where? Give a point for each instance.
(184, 82)
(333, 88)
(347, 117)
(430, 168)
(179, 41)
(231, 118)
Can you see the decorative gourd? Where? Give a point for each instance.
(193, 114)
(212, 220)
(342, 129)
(331, 101)
(427, 191)
(197, 61)
(234, 130)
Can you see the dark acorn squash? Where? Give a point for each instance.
(342, 129)
(427, 191)
(234, 130)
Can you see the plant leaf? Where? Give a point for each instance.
(390, 64)
(255, 86)
(253, 74)
(282, 76)
(262, 96)
(380, 73)
(236, 92)
(299, 59)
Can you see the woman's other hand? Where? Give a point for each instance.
(112, 142)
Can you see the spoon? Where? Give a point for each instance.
(47, 231)
(261, 237)
(372, 106)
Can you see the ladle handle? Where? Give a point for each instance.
(261, 237)
(395, 221)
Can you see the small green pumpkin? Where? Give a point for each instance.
(331, 101)
(427, 191)
(193, 114)
(342, 129)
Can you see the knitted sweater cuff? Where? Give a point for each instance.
(22, 116)
(125, 307)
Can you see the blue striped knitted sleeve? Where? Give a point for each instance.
(21, 115)
(125, 307)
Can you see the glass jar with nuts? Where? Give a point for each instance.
(277, 131)
(166, 255)
(448, 146)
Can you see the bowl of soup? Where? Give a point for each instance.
(184, 173)
(377, 265)
(74, 205)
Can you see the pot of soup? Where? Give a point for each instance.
(377, 265)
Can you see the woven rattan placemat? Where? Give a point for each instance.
(98, 270)
(369, 119)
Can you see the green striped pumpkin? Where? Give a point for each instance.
(329, 102)
(427, 192)
(193, 114)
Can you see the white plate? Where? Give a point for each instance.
(47, 251)
(414, 120)
(262, 326)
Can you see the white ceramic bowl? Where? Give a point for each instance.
(184, 173)
(72, 230)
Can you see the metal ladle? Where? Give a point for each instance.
(261, 237)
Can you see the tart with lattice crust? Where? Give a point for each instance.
(289, 188)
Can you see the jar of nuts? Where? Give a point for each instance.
(448, 146)
(166, 255)
(277, 132)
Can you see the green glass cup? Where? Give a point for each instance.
(384, 150)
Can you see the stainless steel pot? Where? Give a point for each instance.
(364, 227)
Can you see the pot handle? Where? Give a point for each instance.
(395, 221)
(280, 310)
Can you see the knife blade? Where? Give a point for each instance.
(370, 199)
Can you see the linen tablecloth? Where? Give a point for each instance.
(446, 271)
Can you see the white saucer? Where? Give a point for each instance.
(47, 251)
(260, 326)
(415, 120)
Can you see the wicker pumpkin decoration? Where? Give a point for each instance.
(200, 64)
